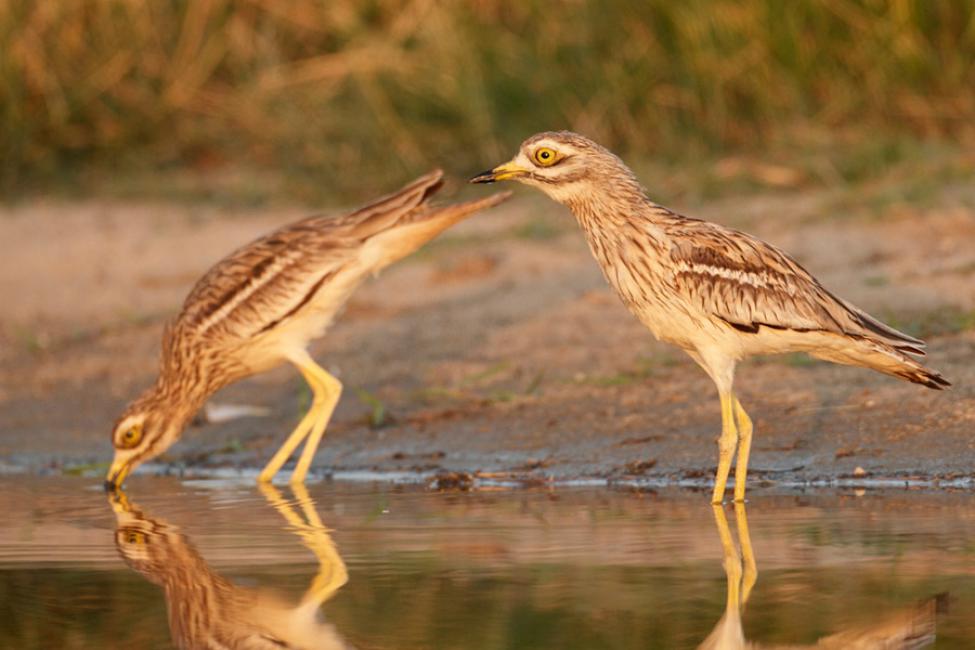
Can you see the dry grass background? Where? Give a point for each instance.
(341, 93)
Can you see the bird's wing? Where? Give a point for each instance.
(264, 282)
(750, 284)
(261, 283)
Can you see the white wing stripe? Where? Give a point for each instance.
(253, 285)
(757, 280)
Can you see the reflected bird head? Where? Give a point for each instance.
(137, 537)
(566, 166)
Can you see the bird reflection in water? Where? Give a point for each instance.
(208, 611)
(912, 628)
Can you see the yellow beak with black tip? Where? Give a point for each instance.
(117, 474)
(500, 173)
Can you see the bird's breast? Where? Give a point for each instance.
(634, 264)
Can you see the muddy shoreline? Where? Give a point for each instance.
(496, 354)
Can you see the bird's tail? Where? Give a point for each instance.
(912, 628)
(391, 209)
(875, 329)
(885, 358)
(918, 373)
(421, 225)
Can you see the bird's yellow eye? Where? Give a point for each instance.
(134, 537)
(132, 436)
(545, 156)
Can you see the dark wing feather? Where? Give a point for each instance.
(751, 284)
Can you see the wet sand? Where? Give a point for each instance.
(497, 353)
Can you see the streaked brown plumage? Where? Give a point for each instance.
(719, 294)
(263, 304)
(911, 628)
(206, 611)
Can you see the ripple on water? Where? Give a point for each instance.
(581, 567)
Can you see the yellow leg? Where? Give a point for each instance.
(284, 452)
(726, 446)
(332, 392)
(744, 448)
(332, 573)
(325, 394)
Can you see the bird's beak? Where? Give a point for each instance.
(500, 173)
(116, 475)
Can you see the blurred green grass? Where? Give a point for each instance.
(307, 98)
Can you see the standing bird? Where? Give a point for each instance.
(263, 304)
(719, 294)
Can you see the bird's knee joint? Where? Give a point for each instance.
(332, 388)
(333, 384)
(732, 567)
(727, 443)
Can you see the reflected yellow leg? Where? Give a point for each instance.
(744, 449)
(274, 497)
(726, 446)
(731, 560)
(750, 572)
(332, 573)
(739, 567)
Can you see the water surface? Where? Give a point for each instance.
(372, 565)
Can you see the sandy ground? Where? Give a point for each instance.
(496, 350)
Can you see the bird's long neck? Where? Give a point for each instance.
(187, 377)
(177, 397)
(626, 231)
(611, 200)
(617, 212)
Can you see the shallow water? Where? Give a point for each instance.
(569, 568)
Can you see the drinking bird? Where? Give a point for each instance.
(263, 304)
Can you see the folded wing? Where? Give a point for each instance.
(750, 284)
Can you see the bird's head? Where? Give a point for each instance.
(566, 166)
(146, 428)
